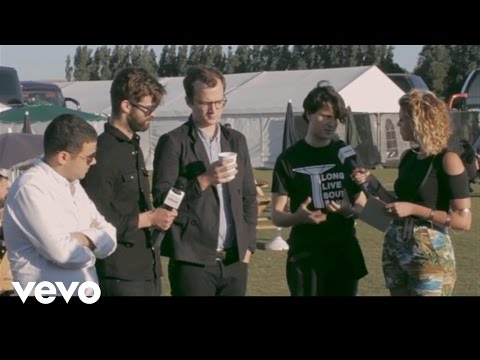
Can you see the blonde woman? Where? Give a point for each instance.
(431, 197)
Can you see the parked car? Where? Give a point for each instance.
(34, 91)
(469, 97)
(10, 92)
(407, 82)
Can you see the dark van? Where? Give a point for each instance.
(407, 82)
(10, 92)
(34, 91)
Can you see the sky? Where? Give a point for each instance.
(47, 62)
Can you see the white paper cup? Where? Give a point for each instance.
(228, 158)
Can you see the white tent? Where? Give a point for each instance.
(256, 103)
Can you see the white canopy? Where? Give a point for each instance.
(365, 89)
(256, 103)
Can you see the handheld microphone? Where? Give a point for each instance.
(347, 157)
(172, 201)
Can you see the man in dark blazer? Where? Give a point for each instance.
(214, 234)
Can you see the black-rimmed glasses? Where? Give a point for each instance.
(146, 110)
(219, 104)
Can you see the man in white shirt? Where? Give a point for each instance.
(5, 273)
(53, 231)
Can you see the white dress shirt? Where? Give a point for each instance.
(42, 210)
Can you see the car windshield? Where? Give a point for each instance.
(34, 96)
(418, 83)
(408, 82)
(402, 83)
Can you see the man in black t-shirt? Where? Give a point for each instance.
(324, 257)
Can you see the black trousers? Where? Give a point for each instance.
(306, 277)
(119, 287)
(221, 279)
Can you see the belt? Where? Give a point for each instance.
(420, 222)
(227, 255)
(417, 221)
(222, 254)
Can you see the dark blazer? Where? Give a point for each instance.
(194, 234)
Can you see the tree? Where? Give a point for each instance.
(207, 55)
(256, 61)
(170, 61)
(284, 60)
(153, 58)
(82, 62)
(270, 55)
(136, 55)
(335, 56)
(120, 58)
(297, 58)
(241, 59)
(148, 60)
(465, 58)
(387, 65)
(321, 57)
(217, 56)
(433, 65)
(195, 55)
(68, 68)
(161, 71)
(182, 58)
(228, 67)
(100, 69)
(105, 71)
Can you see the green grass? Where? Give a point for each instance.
(267, 268)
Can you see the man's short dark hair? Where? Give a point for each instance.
(206, 74)
(67, 132)
(132, 84)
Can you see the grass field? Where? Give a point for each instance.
(267, 268)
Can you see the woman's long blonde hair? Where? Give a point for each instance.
(432, 123)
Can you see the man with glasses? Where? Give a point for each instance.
(53, 231)
(212, 239)
(119, 186)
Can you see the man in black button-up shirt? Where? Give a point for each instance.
(118, 184)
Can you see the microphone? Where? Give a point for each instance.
(172, 201)
(348, 157)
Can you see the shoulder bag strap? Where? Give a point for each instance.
(426, 177)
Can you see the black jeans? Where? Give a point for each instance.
(305, 277)
(118, 287)
(221, 279)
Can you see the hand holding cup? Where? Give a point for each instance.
(228, 170)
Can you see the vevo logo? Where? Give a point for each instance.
(89, 292)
